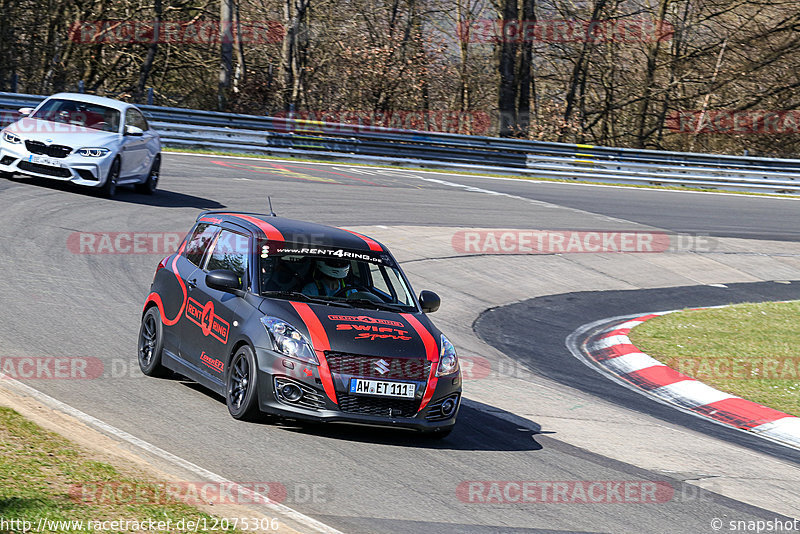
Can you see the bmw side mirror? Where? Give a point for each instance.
(223, 280)
(25, 111)
(134, 131)
(429, 301)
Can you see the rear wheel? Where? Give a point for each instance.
(151, 343)
(241, 394)
(148, 187)
(109, 188)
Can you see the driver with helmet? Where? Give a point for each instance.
(328, 279)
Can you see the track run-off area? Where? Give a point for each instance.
(519, 265)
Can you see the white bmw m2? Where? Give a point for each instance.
(88, 140)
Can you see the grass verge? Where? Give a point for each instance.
(338, 161)
(45, 476)
(749, 350)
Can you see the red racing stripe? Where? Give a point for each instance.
(373, 245)
(272, 233)
(320, 341)
(431, 352)
(156, 298)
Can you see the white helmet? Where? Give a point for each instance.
(334, 268)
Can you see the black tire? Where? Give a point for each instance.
(241, 388)
(151, 344)
(6, 175)
(109, 189)
(148, 187)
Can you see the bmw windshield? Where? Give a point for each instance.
(335, 277)
(76, 113)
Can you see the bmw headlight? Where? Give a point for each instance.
(288, 341)
(93, 152)
(448, 360)
(9, 137)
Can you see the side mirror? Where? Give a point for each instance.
(134, 131)
(25, 111)
(429, 301)
(223, 280)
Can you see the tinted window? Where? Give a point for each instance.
(199, 242)
(229, 252)
(79, 114)
(134, 118)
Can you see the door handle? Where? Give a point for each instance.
(192, 283)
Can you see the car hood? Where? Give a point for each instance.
(360, 331)
(61, 134)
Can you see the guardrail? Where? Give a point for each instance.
(189, 128)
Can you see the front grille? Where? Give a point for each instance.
(399, 368)
(378, 406)
(44, 169)
(54, 151)
(7, 160)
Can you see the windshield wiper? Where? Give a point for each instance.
(296, 295)
(377, 305)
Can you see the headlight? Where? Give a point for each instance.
(288, 341)
(9, 137)
(97, 152)
(448, 360)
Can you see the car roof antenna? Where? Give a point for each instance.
(269, 199)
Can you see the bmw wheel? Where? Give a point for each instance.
(241, 393)
(151, 343)
(148, 187)
(110, 187)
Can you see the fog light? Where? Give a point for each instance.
(448, 407)
(291, 393)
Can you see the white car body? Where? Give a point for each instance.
(56, 145)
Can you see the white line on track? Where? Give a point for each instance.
(294, 515)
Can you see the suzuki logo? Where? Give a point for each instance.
(382, 366)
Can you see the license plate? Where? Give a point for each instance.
(362, 386)
(44, 160)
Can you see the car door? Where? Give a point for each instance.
(211, 313)
(135, 157)
(187, 264)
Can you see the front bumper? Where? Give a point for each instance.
(315, 405)
(15, 158)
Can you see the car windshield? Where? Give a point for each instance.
(364, 282)
(76, 113)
